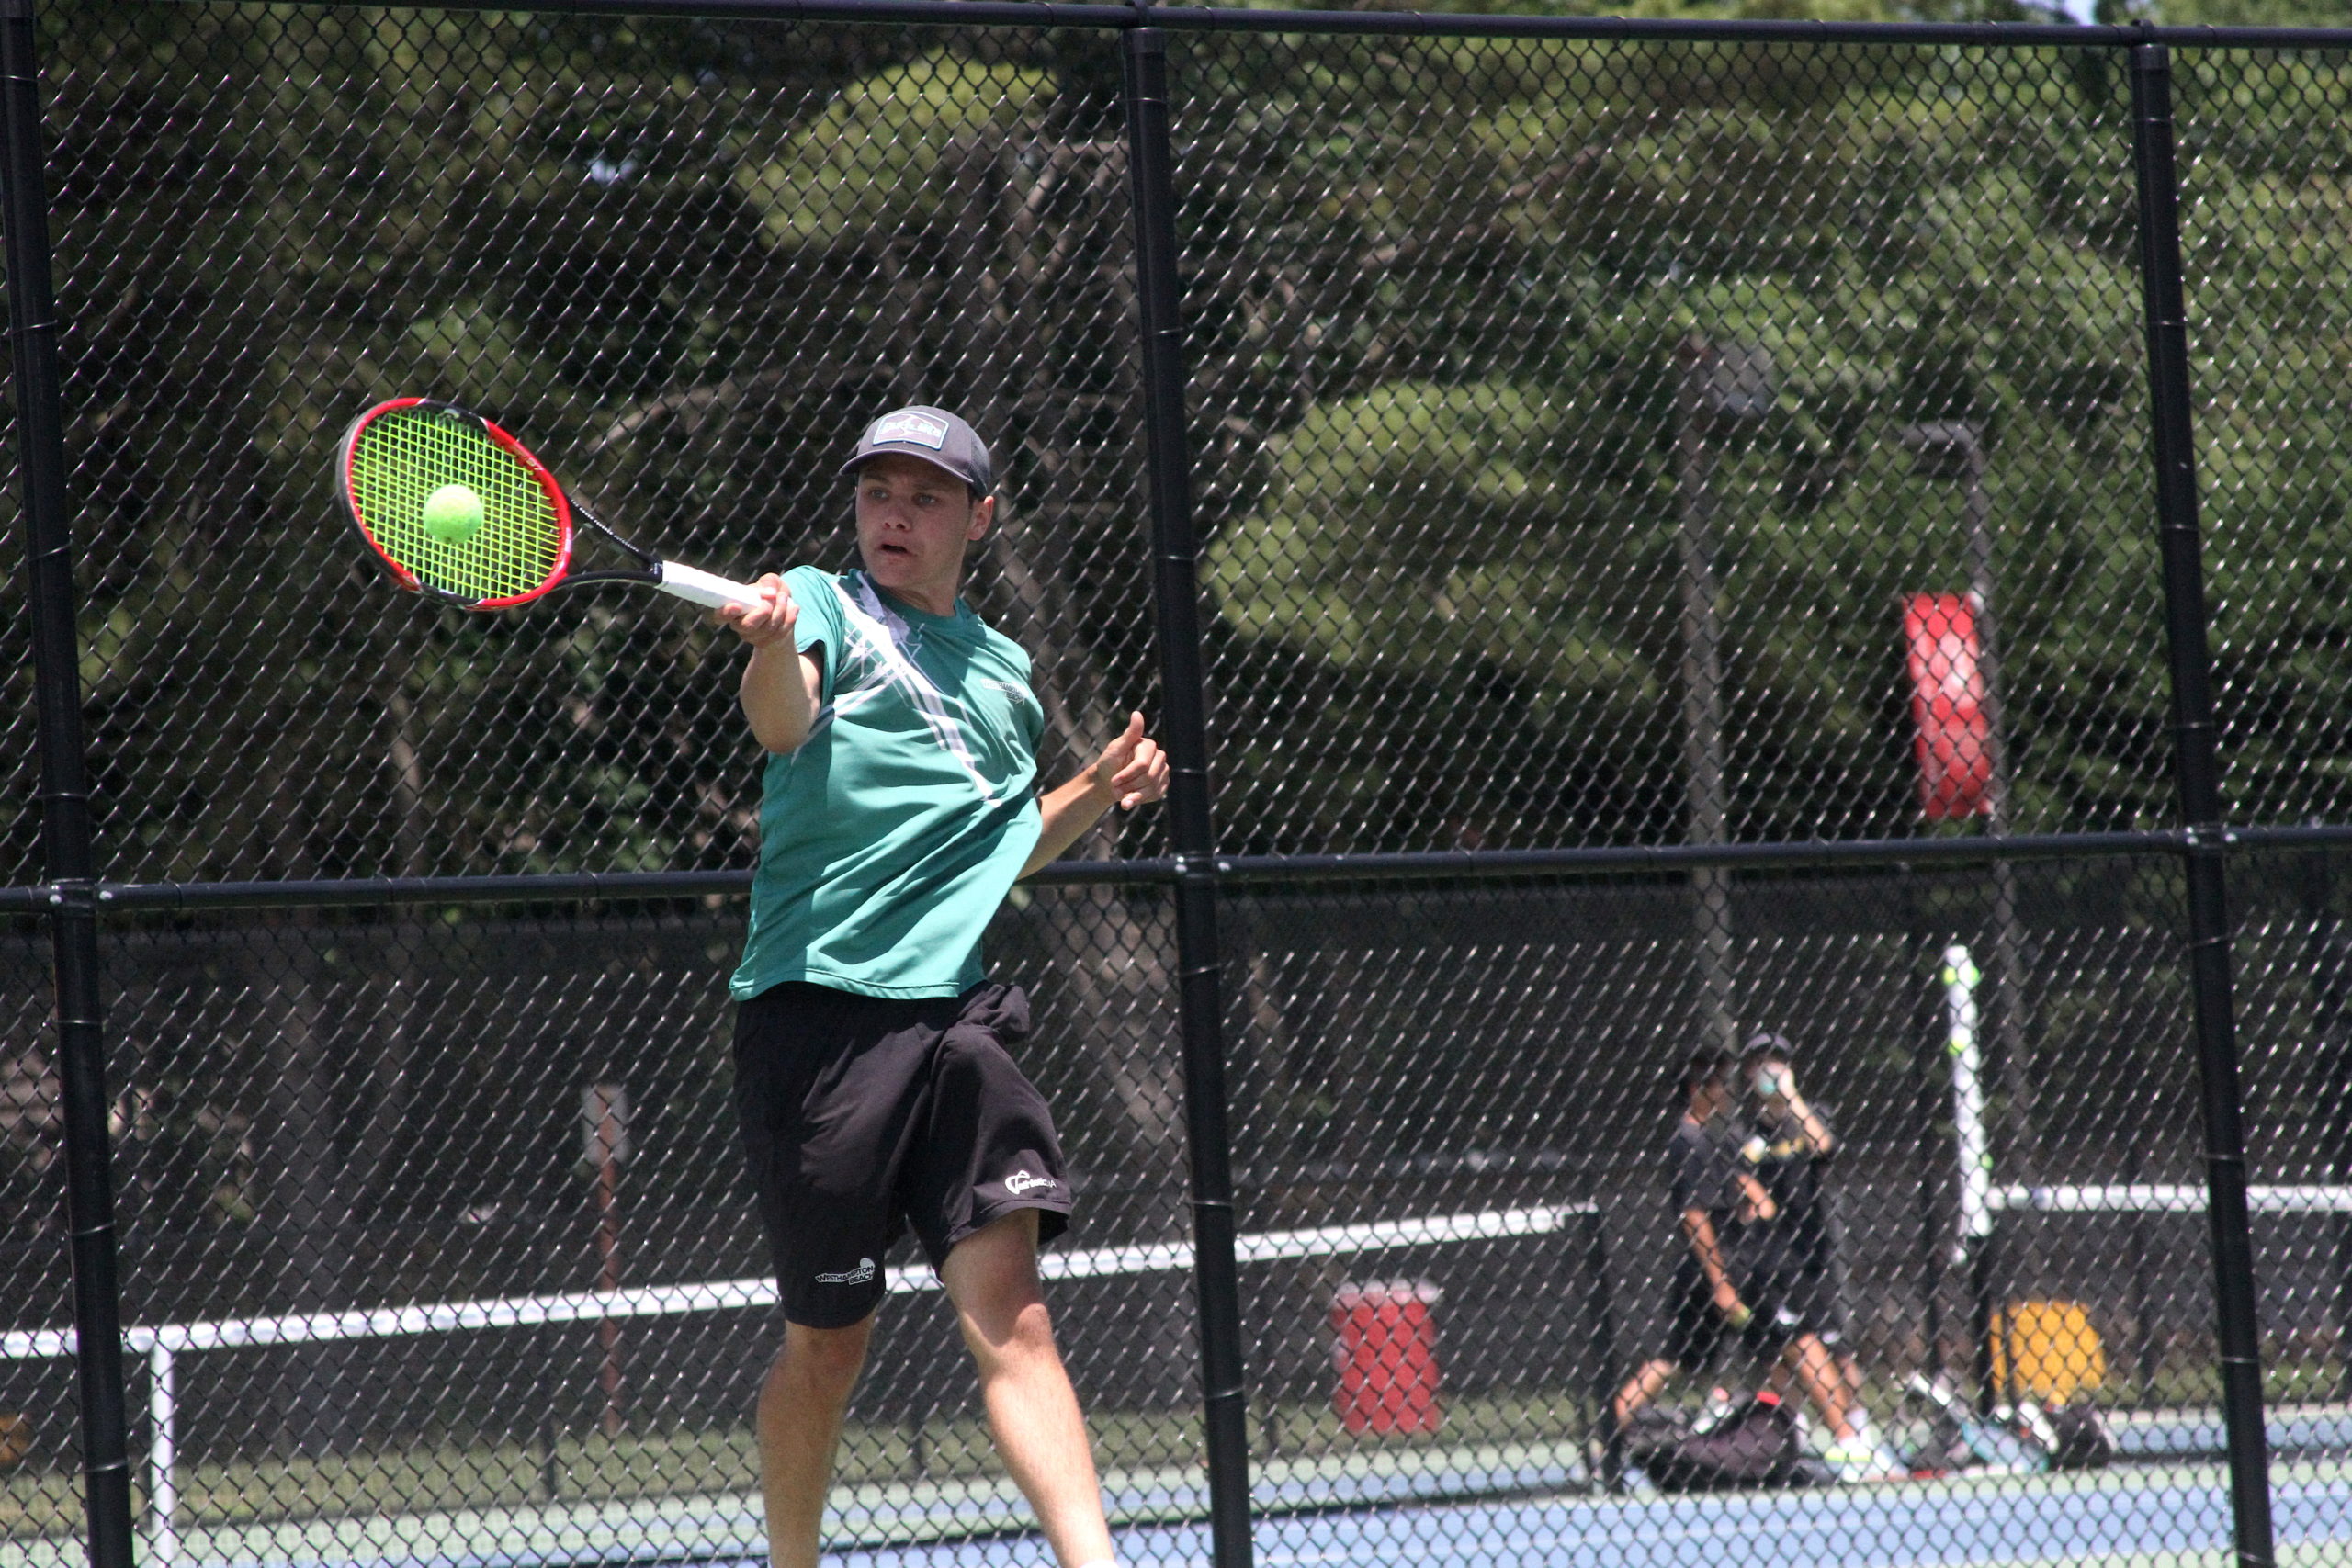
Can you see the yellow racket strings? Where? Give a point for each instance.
(403, 456)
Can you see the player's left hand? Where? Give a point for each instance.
(1132, 768)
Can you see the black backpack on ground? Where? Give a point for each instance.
(2083, 1443)
(1755, 1446)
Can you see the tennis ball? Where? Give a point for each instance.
(452, 513)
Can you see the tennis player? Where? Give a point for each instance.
(1728, 1283)
(1790, 1150)
(872, 1076)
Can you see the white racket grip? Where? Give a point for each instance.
(704, 587)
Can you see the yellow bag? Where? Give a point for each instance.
(2057, 1351)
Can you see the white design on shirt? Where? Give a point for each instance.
(883, 636)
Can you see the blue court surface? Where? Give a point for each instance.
(2157, 1506)
(2165, 1505)
(2141, 1514)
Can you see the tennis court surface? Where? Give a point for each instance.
(1375, 1510)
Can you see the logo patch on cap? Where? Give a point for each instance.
(914, 429)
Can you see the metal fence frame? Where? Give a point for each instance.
(73, 899)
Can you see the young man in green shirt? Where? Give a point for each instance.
(871, 1081)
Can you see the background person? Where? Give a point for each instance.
(871, 1081)
(1727, 1277)
(1789, 1150)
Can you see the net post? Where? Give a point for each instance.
(163, 1456)
(67, 847)
(1175, 544)
(1603, 1442)
(1985, 1319)
(2197, 777)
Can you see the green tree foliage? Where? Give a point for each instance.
(2265, 221)
(1438, 290)
(269, 218)
(1494, 253)
(877, 144)
(2251, 13)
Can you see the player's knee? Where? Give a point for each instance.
(1647, 1379)
(1014, 1329)
(824, 1357)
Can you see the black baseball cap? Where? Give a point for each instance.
(934, 435)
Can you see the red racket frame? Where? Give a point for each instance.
(539, 471)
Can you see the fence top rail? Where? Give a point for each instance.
(1431, 23)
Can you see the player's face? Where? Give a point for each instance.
(1710, 1100)
(1769, 1082)
(914, 522)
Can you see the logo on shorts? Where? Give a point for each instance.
(1022, 1181)
(857, 1275)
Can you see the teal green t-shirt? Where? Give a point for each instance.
(889, 838)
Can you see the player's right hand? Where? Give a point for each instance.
(1737, 1313)
(770, 620)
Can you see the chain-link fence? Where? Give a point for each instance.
(1657, 542)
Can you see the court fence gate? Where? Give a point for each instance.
(1583, 459)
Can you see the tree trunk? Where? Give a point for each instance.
(1111, 959)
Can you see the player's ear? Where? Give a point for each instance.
(983, 516)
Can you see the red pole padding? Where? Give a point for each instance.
(1952, 741)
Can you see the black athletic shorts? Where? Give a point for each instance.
(863, 1117)
(1814, 1301)
(1782, 1310)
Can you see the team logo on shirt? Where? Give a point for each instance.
(1022, 1181)
(860, 1275)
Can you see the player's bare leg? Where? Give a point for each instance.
(1639, 1390)
(992, 1276)
(801, 1405)
(1849, 1377)
(1808, 1360)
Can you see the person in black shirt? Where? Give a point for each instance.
(1789, 1151)
(1730, 1278)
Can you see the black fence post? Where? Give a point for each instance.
(68, 851)
(1603, 1441)
(2197, 773)
(1176, 602)
(1984, 1319)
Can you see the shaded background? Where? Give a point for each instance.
(1481, 332)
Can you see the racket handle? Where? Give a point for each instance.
(704, 587)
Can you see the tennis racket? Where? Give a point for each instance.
(403, 453)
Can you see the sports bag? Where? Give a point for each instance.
(1755, 1446)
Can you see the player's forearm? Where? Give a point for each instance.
(775, 694)
(1815, 1130)
(1065, 815)
(1700, 1231)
